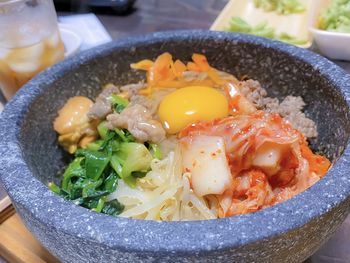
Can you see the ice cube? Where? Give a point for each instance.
(25, 67)
(26, 54)
(54, 40)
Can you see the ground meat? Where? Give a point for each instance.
(290, 108)
(253, 91)
(138, 121)
(270, 104)
(290, 105)
(103, 106)
(305, 125)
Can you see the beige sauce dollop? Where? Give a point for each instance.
(73, 115)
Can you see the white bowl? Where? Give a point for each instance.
(333, 45)
(71, 40)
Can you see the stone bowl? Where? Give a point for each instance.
(287, 232)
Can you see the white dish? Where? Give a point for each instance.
(295, 25)
(71, 40)
(333, 45)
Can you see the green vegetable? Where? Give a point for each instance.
(116, 165)
(336, 17)
(100, 205)
(54, 188)
(283, 7)
(95, 146)
(284, 37)
(237, 24)
(155, 151)
(125, 135)
(73, 170)
(138, 174)
(111, 182)
(113, 208)
(135, 157)
(103, 130)
(95, 171)
(119, 103)
(95, 162)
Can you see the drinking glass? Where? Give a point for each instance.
(29, 41)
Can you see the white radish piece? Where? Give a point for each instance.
(204, 157)
(268, 157)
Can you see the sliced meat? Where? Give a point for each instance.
(138, 121)
(133, 89)
(103, 106)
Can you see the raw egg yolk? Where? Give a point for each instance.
(189, 105)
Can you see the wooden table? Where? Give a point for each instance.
(157, 15)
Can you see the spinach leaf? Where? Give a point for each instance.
(74, 169)
(113, 208)
(95, 162)
(111, 182)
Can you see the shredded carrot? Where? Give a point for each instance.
(179, 68)
(193, 67)
(145, 64)
(201, 62)
(164, 72)
(161, 67)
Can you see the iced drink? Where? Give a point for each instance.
(29, 42)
